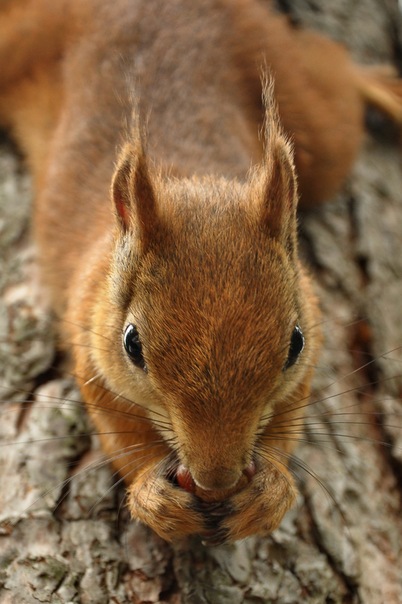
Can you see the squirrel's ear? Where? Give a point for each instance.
(277, 177)
(133, 193)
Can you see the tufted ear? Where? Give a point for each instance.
(133, 193)
(278, 196)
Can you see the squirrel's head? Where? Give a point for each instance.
(207, 315)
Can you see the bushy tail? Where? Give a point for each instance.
(381, 88)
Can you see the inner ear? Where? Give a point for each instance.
(280, 193)
(120, 193)
(133, 194)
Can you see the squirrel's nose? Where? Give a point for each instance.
(217, 478)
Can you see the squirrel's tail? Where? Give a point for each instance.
(381, 88)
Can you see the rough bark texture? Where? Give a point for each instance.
(64, 532)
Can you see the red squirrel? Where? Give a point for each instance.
(166, 225)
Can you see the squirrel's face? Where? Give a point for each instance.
(215, 325)
(208, 319)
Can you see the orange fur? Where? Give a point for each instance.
(197, 250)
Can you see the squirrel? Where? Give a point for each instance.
(167, 232)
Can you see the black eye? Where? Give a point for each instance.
(133, 346)
(295, 348)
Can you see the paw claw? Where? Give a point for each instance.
(216, 537)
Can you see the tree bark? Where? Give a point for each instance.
(65, 535)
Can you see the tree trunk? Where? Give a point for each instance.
(65, 535)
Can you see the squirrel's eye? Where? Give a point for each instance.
(295, 348)
(133, 346)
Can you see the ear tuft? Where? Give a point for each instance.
(278, 196)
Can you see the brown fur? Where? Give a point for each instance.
(197, 250)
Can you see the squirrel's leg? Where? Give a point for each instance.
(31, 32)
(322, 96)
(31, 41)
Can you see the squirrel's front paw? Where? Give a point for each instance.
(260, 507)
(174, 512)
(169, 510)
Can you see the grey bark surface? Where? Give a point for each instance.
(65, 536)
